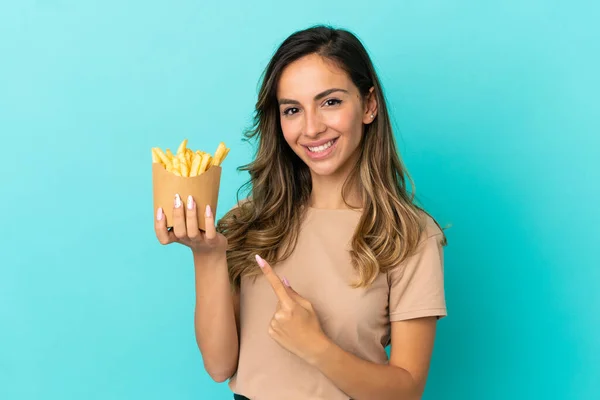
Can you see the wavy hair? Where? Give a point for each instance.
(268, 221)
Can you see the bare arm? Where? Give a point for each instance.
(217, 309)
(403, 378)
(216, 317)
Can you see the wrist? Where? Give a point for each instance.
(323, 349)
(208, 258)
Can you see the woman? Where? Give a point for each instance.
(328, 258)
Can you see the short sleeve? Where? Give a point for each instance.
(417, 285)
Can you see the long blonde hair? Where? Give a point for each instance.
(268, 221)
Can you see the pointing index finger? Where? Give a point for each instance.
(276, 284)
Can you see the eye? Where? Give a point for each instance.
(333, 102)
(287, 111)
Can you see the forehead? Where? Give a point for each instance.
(310, 75)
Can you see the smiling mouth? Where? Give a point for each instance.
(323, 147)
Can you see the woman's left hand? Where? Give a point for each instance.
(294, 325)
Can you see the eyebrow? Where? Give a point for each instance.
(317, 97)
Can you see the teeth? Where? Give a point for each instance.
(322, 147)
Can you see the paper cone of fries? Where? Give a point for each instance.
(186, 173)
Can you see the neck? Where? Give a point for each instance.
(327, 190)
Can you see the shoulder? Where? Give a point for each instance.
(428, 248)
(431, 233)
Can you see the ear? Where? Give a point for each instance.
(370, 107)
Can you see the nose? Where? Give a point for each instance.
(313, 124)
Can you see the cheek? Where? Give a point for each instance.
(348, 123)
(290, 132)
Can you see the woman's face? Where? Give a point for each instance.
(321, 114)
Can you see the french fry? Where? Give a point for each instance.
(183, 165)
(206, 160)
(176, 166)
(187, 162)
(182, 146)
(163, 158)
(195, 168)
(218, 154)
(155, 157)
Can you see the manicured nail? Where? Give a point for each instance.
(177, 201)
(159, 214)
(208, 211)
(285, 282)
(190, 202)
(260, 261)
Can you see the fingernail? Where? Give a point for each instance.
(159, 214)
(208, 210)
(285, 282)
(260, 261)
(177, 201)
(190, 202)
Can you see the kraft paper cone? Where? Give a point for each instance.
(204, 188)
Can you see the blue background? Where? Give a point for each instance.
(496, 110)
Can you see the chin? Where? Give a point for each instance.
(323, 171)
(329, 168)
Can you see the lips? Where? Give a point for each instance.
(323, 154)
(319, 143)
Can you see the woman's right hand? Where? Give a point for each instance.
(186, 232)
